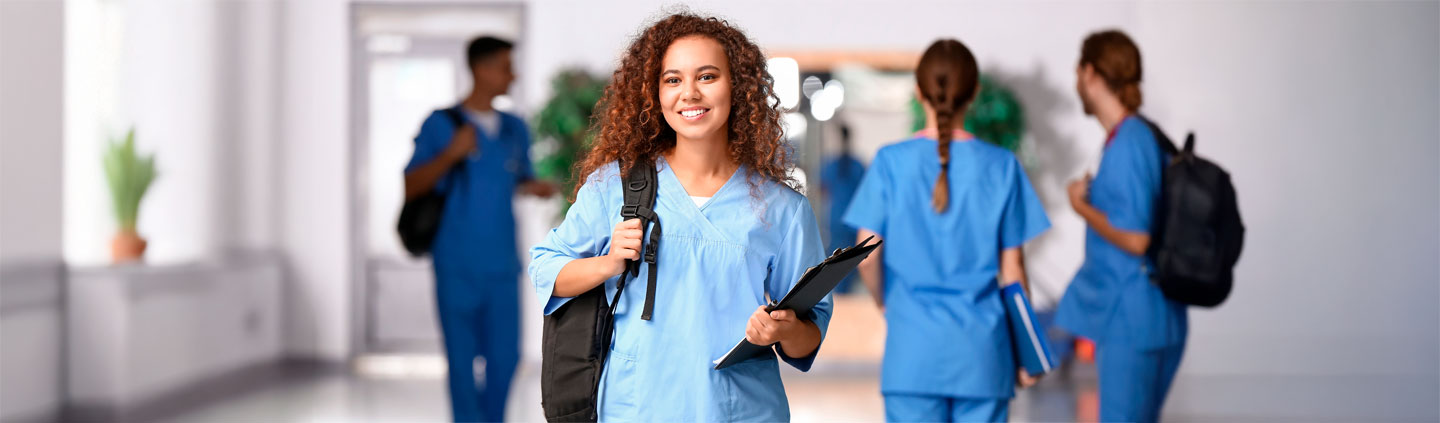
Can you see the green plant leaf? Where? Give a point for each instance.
(128, 176)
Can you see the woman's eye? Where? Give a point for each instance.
(672, 80)
(707, 77)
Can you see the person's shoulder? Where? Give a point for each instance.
(991, 151)
(444, 113)
(509, 117)
(903, 148)
(604, 179)
(1134, 134)
(780, 196)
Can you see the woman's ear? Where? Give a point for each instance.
(973, 97)
(924, 103)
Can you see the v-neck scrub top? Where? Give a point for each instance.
(717, 263)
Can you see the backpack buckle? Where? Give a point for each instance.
(650, 255)
(630, 211)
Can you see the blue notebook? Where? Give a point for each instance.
(1031, 348)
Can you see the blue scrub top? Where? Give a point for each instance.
(948, 333)
(718, 263)
(841, 176)
(477, 230)
(1111, 299)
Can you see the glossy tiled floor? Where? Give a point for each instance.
(848, 394)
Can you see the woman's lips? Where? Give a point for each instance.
(694, 113)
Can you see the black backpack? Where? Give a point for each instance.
(577, 335)
(420, 217)
(1197, 234)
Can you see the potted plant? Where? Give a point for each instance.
(562, 127)
(129, 176)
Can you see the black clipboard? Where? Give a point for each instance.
(814, 285)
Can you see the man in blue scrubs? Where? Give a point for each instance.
(479, 165)
(838, 179)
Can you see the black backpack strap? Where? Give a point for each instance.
(1166, 146)
(640, 188)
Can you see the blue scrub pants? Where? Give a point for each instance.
(1134, 382)
(479, 318)
(927, 408)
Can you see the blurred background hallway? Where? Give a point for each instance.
(273, 286)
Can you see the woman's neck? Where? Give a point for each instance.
(701, 165)
(958, 127)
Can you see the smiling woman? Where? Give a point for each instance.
(693, 97)
(640, 113)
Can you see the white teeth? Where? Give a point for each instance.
(692, 113)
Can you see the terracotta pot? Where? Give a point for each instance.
(127, 246)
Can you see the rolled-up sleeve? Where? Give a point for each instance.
(800, 249)
(585, 232)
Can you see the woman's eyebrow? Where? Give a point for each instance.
(699, 69)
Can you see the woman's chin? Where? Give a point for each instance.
(696, 133)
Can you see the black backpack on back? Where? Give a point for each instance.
(1197, 234)
(577, 336)
(420, 217)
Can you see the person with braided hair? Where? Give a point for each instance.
(954, 212)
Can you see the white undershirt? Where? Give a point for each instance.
(489, 121)
(699, 201)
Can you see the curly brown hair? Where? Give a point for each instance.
(629, 125)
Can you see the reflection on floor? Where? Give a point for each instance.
(845, 394)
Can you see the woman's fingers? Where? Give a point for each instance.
(628, 243)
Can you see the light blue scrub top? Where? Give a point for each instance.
(718, 263)
(477, 230)
(1111, 300)
(948, 333)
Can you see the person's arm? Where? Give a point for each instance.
(1012, 268)
(872, 270)
(1129, 241)
(798, 338)
(423, 178)
(526, 182)
(538, 188)
(584, 274)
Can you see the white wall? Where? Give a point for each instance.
(203, 83)
(1325, 114)
(31, 87)
(197, 80)
(315, 155)
(31, 344)
(31, 90)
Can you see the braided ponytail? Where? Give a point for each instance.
(948, 77)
